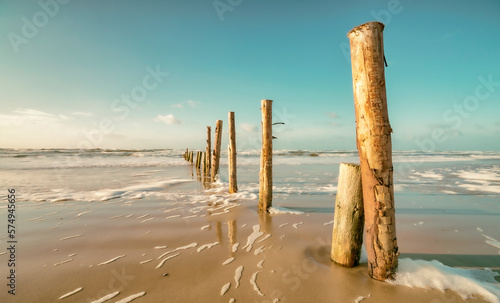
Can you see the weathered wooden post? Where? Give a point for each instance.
(206, 168)
(266, 158)
(373, 138)
(198, 159)
(216, 153)
(348, 222)
(233, 186)
(191, 157)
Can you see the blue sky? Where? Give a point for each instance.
(67, 68)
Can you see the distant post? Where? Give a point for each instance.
(373, 138)
(233, 186)
(266, 158)
(206, 168)
(216, 154)
(347, 237)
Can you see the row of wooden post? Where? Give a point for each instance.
(365, 194)
(209, 162)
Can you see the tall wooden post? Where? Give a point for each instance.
(373, 138)
(216, 153)
(208, 159)
(191, 157)
(348, 221)
(233, 186)
(266, 157)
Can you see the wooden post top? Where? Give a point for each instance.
(365, 27)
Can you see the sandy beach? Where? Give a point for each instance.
(156, 234)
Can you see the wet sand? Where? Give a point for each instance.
(180, 248)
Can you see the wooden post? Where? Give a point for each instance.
(266, 158)
(233, 186)
(373, 138)
(191, 157)
(216, 153)
(206, 168)
(198, 159)
(348, 222)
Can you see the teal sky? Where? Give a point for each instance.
(67, 67)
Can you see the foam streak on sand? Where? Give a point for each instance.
(62, 262)
(237, 275)
(361, 298)
(165, 260)
(492, 242)
(70, 237)
(132, 297)
(259, 265)
(192, 245)
(253, 236)
(207, 246)
(259, 250)
(253, 281)
(146, 261)
(106, 297)
(265, 238)
(225, 288)
(71, 293)
(235, 247)
(205, 227)
(228, 261)
(284, 224)
(111, 260)
(297, 224)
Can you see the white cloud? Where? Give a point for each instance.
(178, 105)
(63, 117)
(192, 103)
(32, 112)
(169, 119)
(83, 114)
(249, 128)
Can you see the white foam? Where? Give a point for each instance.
(205, 227)
(83, 213)
(160, 247)
(284, 224)
(111, 260)
(328, 223)
(361, 298)
(237, 275)
(253, 281)
(225, 288)
(71, 293)
(467, 283)
(253, 236)
(146, 261)
(166, 259)
(62, 262)
(173, 216)
(259, 265)
(235, 247)
(493, 242)
(131, 298)
(297, 224)
(228, 261)
(192, 245)
(430, 174)
(146, 220)
(70, 237)
(106, 297)
(259, 250)
(207, 246)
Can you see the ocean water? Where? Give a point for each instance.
(55, 175)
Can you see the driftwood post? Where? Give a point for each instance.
(216, 153)
(348, 222)
(266, 158)
(206, 168)
(233, 186)
(198, 159)
(191, 157)
(373, 139)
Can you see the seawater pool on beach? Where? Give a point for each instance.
(141, 224)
